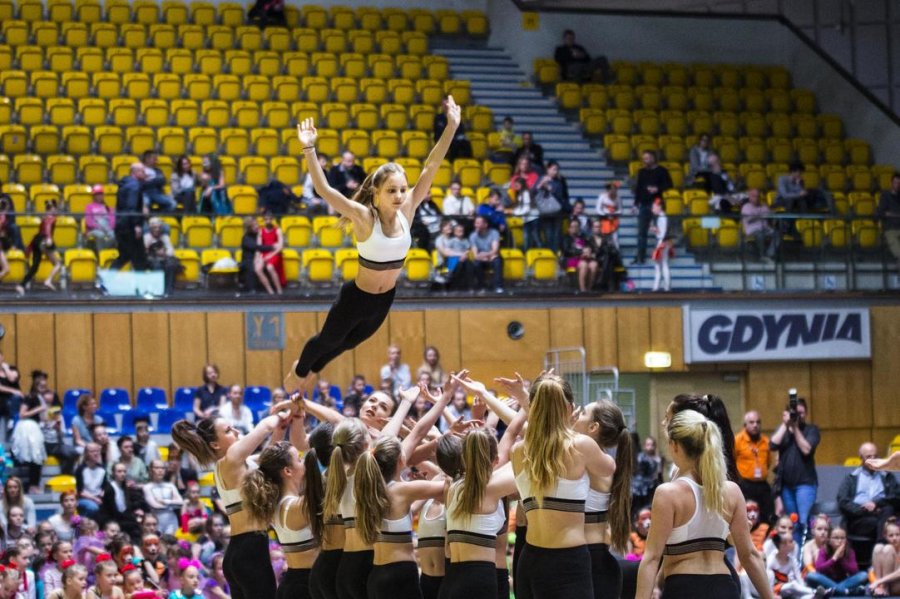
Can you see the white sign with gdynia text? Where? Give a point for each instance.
(753, 335)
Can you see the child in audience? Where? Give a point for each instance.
(190, 583)
(836, 566)
(52, 572)
(193, 512)
(784, 524)
(105, 575)
(638, 538)
(886, 562)
(784, 571)
(216, 586)
(821, 529)
(74, 582)
(759, 531)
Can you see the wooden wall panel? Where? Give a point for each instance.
(369, 356)
(601, 337)
(633, 326)
(8, 344)
(298, 328)
(112, 352)
(442, 331)
(566, 327)
(666, 334)
(36, 347)
(187, 331)
(484, 339)
(768, 384)
(225, 346)
(151, 350)
(838, 444)
(885, 327)
(883, 437)
(841, 395)
(407, 330)
(74, 351)
(263, 367)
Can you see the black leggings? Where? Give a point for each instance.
(248, 568)
(502, 583)
(521, 531)
(323, 577)
(430, 585)
(554, 573)
(398, 580)
(353, 318)
(605, 571)
(37, 253)
(470, 580)
(700, 586)
(353, 574)
(294, 585)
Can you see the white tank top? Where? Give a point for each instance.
(380, 252)
(596, 507)
(432, 531)
(477, 529)
(291, 541)
(568, 495)
(705, 531)
(395, 531)
(230, 497)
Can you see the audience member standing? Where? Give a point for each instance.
(534, 152)
(652, 181)
(889, 211)
(648, 474)
(396, 371)
(751, 452)
(796, 441)
(131, 210)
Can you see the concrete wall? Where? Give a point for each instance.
(692, 39)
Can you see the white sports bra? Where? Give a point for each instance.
(432, 531)
(291, 541)
(348, 504)
(478, 529)
(380, 252)
(705, 531)
(596, 507)
(568, 496)
(230, 497)
(395, 531)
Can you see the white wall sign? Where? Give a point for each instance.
(763, 335)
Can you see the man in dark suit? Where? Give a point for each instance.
(346, 176)
(867, 498)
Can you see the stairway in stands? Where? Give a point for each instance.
(499, 83)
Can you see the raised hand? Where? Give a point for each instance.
(306, 132)
(473, 387)
(516, 387)
(453, 113)
(411, 394)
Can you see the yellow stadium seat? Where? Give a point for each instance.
(235, 142)
(867, 234)
(838, 233)
(387, 143)
(860, 178)
(291, 260)
(121, 166)
(389, 42)
(13, 139)
(198, 231)
(297, 231)
(318, 266)
(333, 40)
(422, 116)
(60, 11)
(329, 141)
(514, 266)
(542, 265)
(14, 84)
(175, 12)
(230, 231)
(265, 141)
(77, 197)
(418, 144)
(327, 231)
(416, 42)
(243, 198)
(255, 170)
(171, 141)
(356, 141)
(314, 16)
(287, 88)
(94, 169)
(347, 263)
(43, 192)
(29, 168)
(17, 192)
(61, 483)
(804, 101)
(374, 91)
(369, 19)
(278, 39)
(362, 42)
(476, 22)
(190, 275)
(315, 89)
(276, 114)
(30, 111)
(62, 169)
(860, 153)
(417, 267)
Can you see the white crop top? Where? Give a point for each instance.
(596, 507)
(432, 531)
(348, 504)
(291, 541)
(230, 497)
(380, 252)
(477, 529)
(705, 531)
(396, 531)
(568, 496)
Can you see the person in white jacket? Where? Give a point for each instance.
(784, 571)
(663, 249)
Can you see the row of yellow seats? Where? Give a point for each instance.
(572, 96)
(124, 112)
(231, 14)
(181, 61)
(695, 202)
(815, 234)
(171, 86)
(596, 121)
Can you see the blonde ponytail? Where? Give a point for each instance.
(373, 503)
(479, 453)
(701, 441)
(549, 442)
(349, 441)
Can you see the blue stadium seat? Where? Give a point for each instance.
(257, 398)
(110, 420)
(114, 399)
(334, 392)
(184, 399)
(151, 399)
(166, 419)
(70, 400)
(128, 419)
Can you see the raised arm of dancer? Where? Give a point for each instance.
(517, 388)
(740, 533)
(323, 413)
(357, 213)
(425, 423)
(887, 464)
(298, 435)
(515, 426)
(395, 424)
(502, 410)
(433, 162)
(244, 447)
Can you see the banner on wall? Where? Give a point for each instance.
(754, 335)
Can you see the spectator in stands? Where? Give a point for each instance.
(213, 198)
(889, 211)
(751, 452)
(431, 364)
(867, 498)
(821, 528)
(154, 181)
(234, 412)
(663, 250)
(267, 13)
(346, 176)
(161, 253)
(460, 147)
(836, 567)
(179, 470)
(14, 497)
(210, 395)
(251, 254)
(327, 396)
(552, 197)
(457, 205)
(7, 238)
(396, 371)
(534, 152)
(130, 211)
(315, 205)
(66, 520)
(144, 446)
(109, 452)
(28, 446)
(357, 394)
(507, 144)
(426, 224)
(759, 530)
(269, 264)
(575, 64)
(757, 227)
(163, 498)
(698, 157)
(783, 570)
(652, 181)
(521, 187)
(885, 562)
(10, 397)
(184, 182)
(796, 441)
(135, 469)
(794, 196)
(486, 249)
(42, 245)
(453, 248)
(578, 255)
(90, 478)
(493, 211)
(721, 189)
(56, 443)
(276, 197)
(648, 474)
(99, 222)
(609, 206)
(579, 216)
(637, 540)
(83, 421)
(121, 501)
(457, 410)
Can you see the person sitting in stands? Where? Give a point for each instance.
(575, 63)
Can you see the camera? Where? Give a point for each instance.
(792, 403)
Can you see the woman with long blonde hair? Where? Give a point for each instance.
(692, 518)
(555, 467)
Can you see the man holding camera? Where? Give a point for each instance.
(796, 441)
